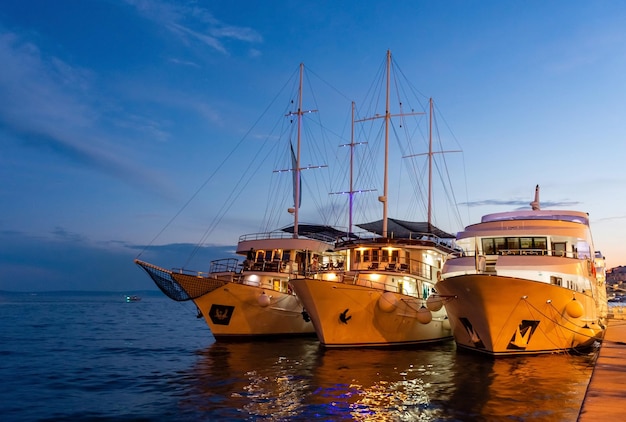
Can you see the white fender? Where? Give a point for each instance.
(264, 300)
(424, 315)
(434, 303)
(574, 309)
(388, 302)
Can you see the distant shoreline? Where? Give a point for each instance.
(83, 292)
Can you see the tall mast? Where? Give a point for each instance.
(383, 198)
(351, 190)
(351, 195)
(430, 161)
(387, 116)
(297, 169)
(430, 154)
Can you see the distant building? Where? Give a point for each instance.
(615, 276)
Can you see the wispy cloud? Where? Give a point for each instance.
(192, 23)
(183, 62)
(62, 234)
(60, 262)
(46, 103)
(518, 203)
(618, 217)
(44, 89)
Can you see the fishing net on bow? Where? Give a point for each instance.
(195, 285)
(164, 281)
(179, 286)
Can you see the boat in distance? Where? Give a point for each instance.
(525, 283)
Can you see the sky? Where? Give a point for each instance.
(122, 121)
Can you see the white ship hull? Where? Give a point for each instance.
(510, 316)
(526, 282)
(239, 310)
(250, 304)
(349, 315)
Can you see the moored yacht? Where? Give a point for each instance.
(254, 298)
(380, 289)
(525, 283)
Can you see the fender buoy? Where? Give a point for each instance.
(434, 303)
(574, 309)
(264, 300)
(423, 315)
(387, 302)
(584, 335)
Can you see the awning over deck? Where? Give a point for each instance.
(320, 232)
(401, 229)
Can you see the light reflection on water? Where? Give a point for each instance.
(96, 357)
(298, 379)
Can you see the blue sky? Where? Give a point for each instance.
(113, 113)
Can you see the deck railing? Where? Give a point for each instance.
(413, 237)
(535, 252)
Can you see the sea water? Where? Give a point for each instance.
(86, 356)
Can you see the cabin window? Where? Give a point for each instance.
(500, 244)
(375, 255)
(583, 250)
(536, 245)
(557, 281)
(366, 255)
(526, 242)
(286, 255)
(513, 245)
(489, 246)
(540, 243)
(559, 248)
(394, 256)
(385, 254)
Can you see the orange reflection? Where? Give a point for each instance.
(298, 378)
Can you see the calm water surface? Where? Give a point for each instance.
(95, 357)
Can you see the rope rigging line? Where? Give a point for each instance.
(227, 205)
(447, 187)
(217, 169)
(554, 321)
